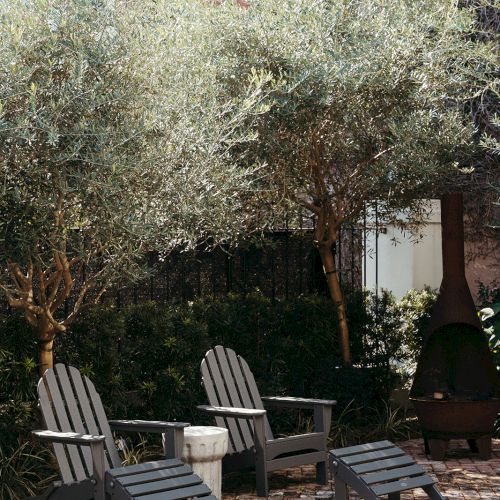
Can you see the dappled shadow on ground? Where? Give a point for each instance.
(462, 476)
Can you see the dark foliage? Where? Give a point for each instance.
(144, 360)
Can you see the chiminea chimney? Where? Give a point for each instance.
(454, 304)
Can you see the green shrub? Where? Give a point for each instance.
(18, 378)
(489, 296)
(24, 466)
(145, 359)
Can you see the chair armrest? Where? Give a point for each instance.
(96, 444)
(145, 425)
(68, 437)
(232, 412)
(303, 403)
(173, 432)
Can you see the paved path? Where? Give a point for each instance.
(461, 476)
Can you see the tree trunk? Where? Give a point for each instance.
(330, 270)
(45, 356)
(46, 334)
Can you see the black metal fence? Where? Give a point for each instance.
(284, 265)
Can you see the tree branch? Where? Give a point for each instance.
(307, 204)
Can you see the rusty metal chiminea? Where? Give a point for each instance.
(456, 387)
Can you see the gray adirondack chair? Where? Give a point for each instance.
(86, 453)
(236, 405)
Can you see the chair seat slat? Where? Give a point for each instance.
(180, 494)
(392, 474)
(361, 448)
(372, 456)
(130, 470)
(167, 484)
(155, 475)
(403, 485)
(390, 463)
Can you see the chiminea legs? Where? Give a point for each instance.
(436, 448)
(484, 447)
(472, 445)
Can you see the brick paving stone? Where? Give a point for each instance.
(439, 467)
(462, 477)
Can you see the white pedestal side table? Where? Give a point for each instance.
(204, 447)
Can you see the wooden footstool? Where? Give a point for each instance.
(161, 480)
(376, 469)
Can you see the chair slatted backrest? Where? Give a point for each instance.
(70, 403)
(229, 382)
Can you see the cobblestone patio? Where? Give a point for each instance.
(461, 476)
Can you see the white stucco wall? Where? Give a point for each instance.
(407, 264)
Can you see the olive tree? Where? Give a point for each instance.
(369, 105)
(114, 140)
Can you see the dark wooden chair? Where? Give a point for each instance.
(86, 453)
(377, 469)
(237, 406)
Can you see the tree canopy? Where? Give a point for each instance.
(370, 104)
(129, 126)
(113, 141)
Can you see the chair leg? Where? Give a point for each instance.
(341, 492)
(322, 423)
(173, 442)
(99, 467)
(260, 456)
(322, 472)
(433, 492)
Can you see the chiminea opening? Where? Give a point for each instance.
(456, 386)
(455, 363)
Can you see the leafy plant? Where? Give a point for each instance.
(489, 297)
(490, 317)
(24, 471)
(137, 452)
(342, 427)
(381, 422)
(414, 311)
(17, 381)
(488, 293)
(393, 423)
